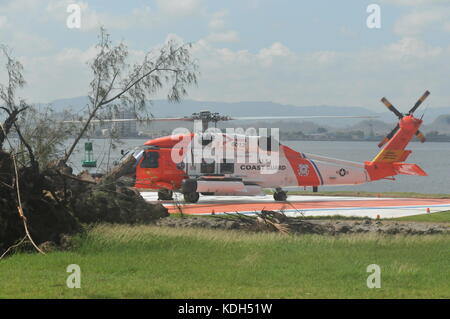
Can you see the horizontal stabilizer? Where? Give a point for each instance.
(408, 169)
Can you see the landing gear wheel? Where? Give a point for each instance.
(191, 197)
(165, 194)
(280, 195)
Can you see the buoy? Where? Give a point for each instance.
(89, 160)
(428, 210)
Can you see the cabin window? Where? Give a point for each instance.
(151, 160)
(227, 167)
(206, 141)
(207, 168)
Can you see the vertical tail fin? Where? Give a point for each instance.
(394, 150)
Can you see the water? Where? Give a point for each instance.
(433, 158)
(101, 150)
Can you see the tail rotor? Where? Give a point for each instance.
(400, 115)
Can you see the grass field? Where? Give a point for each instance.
(152, 262)
(441, 217)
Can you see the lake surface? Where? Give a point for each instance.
(433, 158)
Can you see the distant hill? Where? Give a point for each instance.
(441, 124)
(376, 126)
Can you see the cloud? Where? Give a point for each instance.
(272, 72)
(276, 49)
(3, 22)
(402, 70)
(63, 74)
(412, 48)
(417, 22)
(447, 27)
(217, 26)
(217, 20)
(226, 36)
(415, 3)
(93, 20)
(25, 42)
(419, 16)
(179, 7)
(20, 5)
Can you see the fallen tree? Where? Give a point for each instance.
(41, 200)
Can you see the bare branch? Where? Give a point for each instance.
(171, 65)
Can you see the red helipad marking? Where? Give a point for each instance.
(371, 207)
(224, 207)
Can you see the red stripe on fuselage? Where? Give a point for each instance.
(304, 170)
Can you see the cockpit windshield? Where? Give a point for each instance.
(151, 160)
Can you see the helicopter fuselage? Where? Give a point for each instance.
(169, 161)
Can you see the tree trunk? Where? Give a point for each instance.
(7, 125)
(124, 168)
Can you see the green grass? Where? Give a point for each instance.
(441, 217)
(152, 262)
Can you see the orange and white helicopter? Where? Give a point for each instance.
(178, 163)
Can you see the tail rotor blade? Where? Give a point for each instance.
(420, 101)
(420, 136)
(384, 141)
(391, 107)
(389, 136)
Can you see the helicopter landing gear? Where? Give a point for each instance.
(165, 194)
(280, 195)
(191, 197)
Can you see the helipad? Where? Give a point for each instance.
(306, 205)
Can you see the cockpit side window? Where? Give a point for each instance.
(150, 160)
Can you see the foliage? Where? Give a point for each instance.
(44, 135)
(115, 82)
(11, 104)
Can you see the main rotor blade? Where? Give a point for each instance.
(391, 107)
(299, 117)
(190, 119)
(420, 101)
(389, 136)
(168, 119)
(420, 137)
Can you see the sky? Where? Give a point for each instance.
(304, 53)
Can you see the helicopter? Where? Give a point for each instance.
(246, 164)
